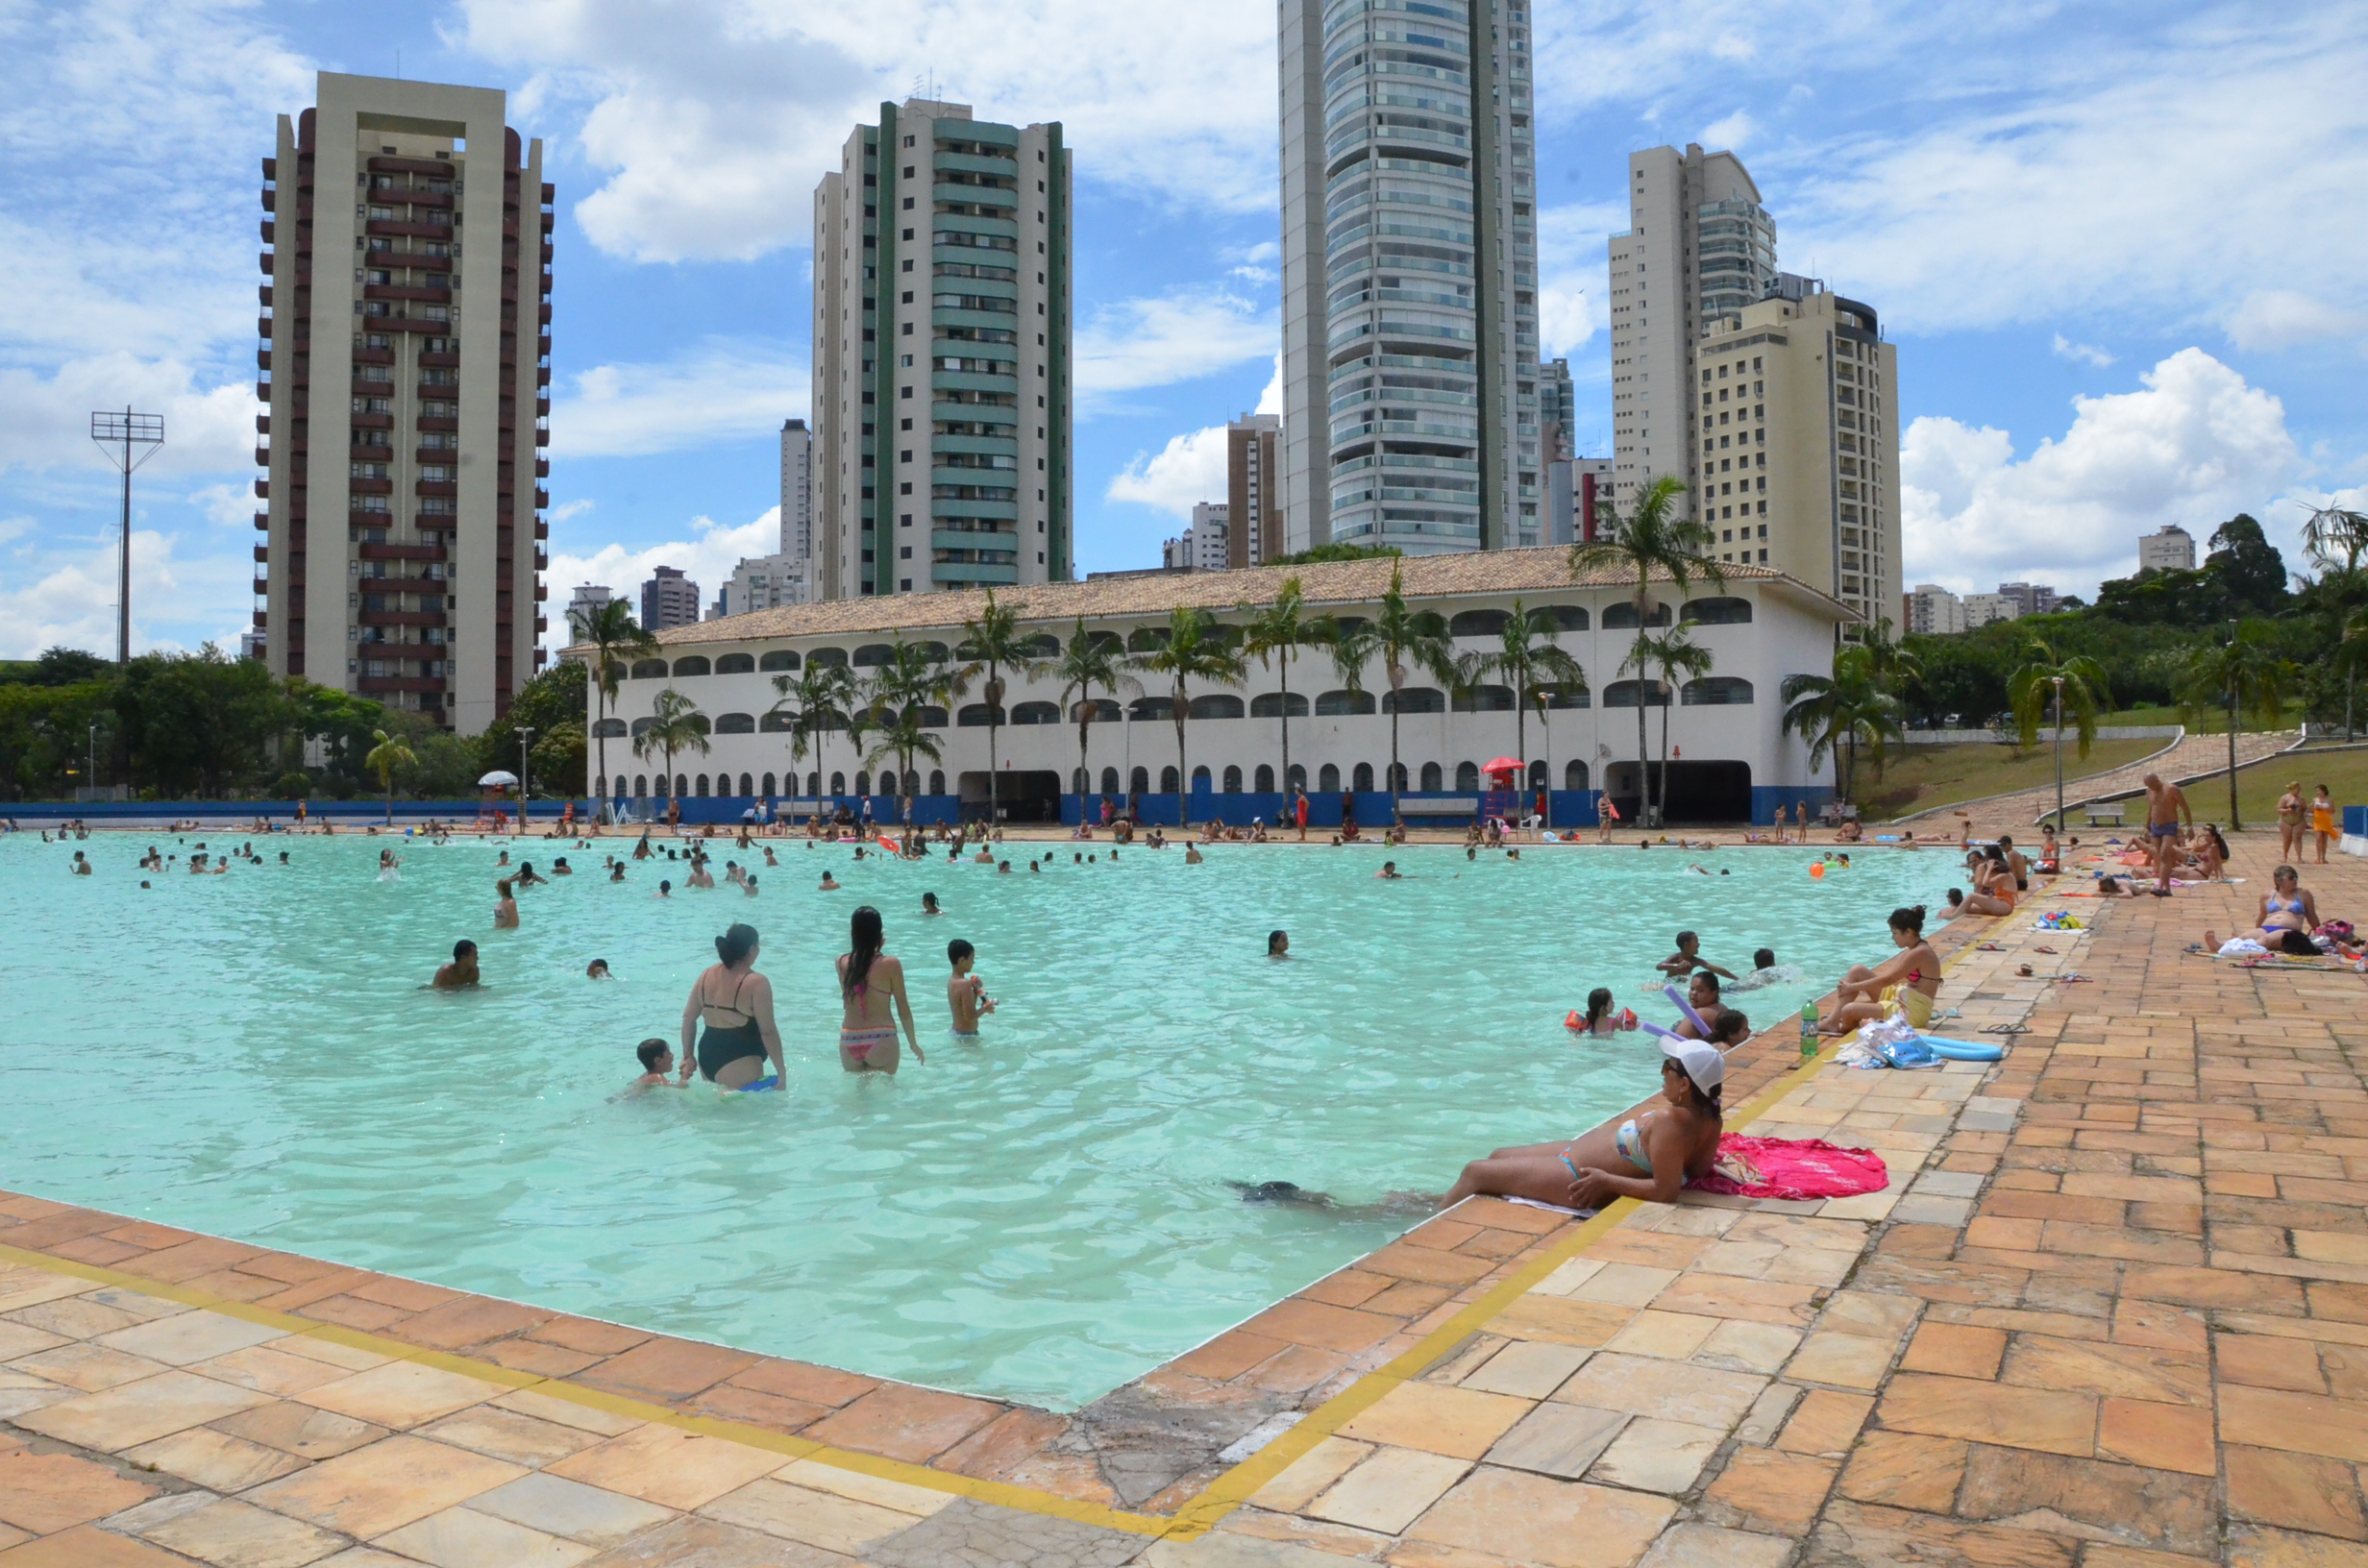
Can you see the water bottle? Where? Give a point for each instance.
(1809, 1029)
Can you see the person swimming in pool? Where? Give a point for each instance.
(1278, 944)
(829, 884)
(735, 1004)
(598, 969)
(1648, 1156)
(462, 972)
(928, 904)
(872, 988)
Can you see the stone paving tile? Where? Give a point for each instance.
(974, 1534)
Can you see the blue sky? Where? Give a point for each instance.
(2120, 248)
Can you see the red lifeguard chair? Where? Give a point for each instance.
(1502, 800)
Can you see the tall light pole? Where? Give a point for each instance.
(2235, 675)
(526, 779)
(2058, 681)
(139, 436)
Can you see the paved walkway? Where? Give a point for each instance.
(2196, 754)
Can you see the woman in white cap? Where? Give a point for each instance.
(1648, 1156)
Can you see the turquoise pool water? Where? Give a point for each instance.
(1040, 1217)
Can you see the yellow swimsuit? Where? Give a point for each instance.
(1919, 1005)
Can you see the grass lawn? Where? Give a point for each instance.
(2345, 773)
(1920, 778)
(2214, 723)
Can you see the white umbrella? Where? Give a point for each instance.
(498, 779)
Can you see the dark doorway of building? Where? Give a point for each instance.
(1019, 798)
(1700, 791)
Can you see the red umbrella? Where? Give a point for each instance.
(1502, 765)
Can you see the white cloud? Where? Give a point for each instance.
(2082, 354)
(1189, 470)
(1731, 132)
(2195, 447)
(45, 422)
(715, 118)
(1168, 338)
(61, 592)
(2278, 318)
(721, 391)
(1571, 257)
(707, 559)
(567, 509)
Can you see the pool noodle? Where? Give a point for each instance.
(1963, 1050)
(1658, 1031)
(768, 1082)
(1682, 1006)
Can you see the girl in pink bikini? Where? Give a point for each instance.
(870, 982)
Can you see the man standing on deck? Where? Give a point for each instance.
(2166, 808)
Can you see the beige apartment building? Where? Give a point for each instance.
(406, 372)
(1798, 421)
(1254, 510)
(942, 387)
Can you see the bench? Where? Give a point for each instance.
(2104, 814)
(1446, 806)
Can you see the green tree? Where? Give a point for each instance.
(991, 644)
(911, 679)
(822, 694)
(1656, 538)
(1889, 661)
(384, 759)
(2248, 567)
(2334, 538)
(1530, 658)
(1679, 658)
(2031, 693)
(1089, 659)
(676, 725)
(559, 754)
(615, 638)
(1321, 553)
(1404, 639)
(1273, 637)
(1195, 649)
(2245, 679)
(1835, 714)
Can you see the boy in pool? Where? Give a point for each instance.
(966, 993)
(1688, 958)
(657, 1065)
(1764, 972)
(462, 972)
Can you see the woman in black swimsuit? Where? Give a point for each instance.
(735, 1003)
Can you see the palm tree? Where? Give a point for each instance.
(2031, 688)
(384, 759)
(1273, 637)
(2244, 679)
(1835, 712)
(1090, 659)
(1405, 639)
(823, 693)
(1534, 670)
(2334, 538)
(1676, 654)
(1894, 667)
(1658, 538)
(1195, 649)
(676, 725)
(615, 637)
(991, 644)
(911, 679)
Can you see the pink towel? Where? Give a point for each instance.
(1794, 1168)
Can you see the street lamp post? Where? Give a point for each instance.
(526, 779)
(2234, 675)
(139, 436)
(2058, 681)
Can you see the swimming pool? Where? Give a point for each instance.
(1040, 1216)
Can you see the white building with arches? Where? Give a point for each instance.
(1729, 759)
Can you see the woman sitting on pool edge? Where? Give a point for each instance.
(735, 1003)
(1909, 979)
(1649, 1156)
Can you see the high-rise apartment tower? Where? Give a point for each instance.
(1253, 489)
(406, 354)
(669, 599)
(1410, 274)
(941, 389)
(1700, 248)
(797, 488)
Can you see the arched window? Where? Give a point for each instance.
(1139, 782)
(1036, 713)
(1718, 612)
(776, 721)
(735, 664)
(1108, 642)
(1348, 623)
(779, 659)
(769, 789)
(1263, 780)
(1397, 772)
(747, 785)
(863, 783)
(701, 790)
(1537, 776)
(1627, 694)
(1362, 780)
(1278, 705)
(735, 724)
(1167, 780)
(937, 781)
(934, 652)
(641, 726)
(1567, 696)
(1433, 778)
(1558, 618)
(1105, 711)
(829, 658)
(1328, 778)
(1574, 775)
(622, 792)
(691, 664)
(928, 716)
(1414, 700)
(1466, 776)
(871, 655)
(973, 715)
(1297, 779)
(1485, 699)
(613, 728)
(1077, 781)
(1343, 704)
(1232, 783)
(1146, 640)
(641, 787)
(1200, 778)
(1479, 624)
(813, 784)
(888, 781)
(1622, 615)
(1715, 692)
(1043, 645)
(1151, 707)
(838, 783)
(649, 669)
(1214, 705)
